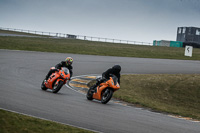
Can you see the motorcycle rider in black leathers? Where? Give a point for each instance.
(115, 70)
(67, 63)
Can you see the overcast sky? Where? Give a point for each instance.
(134, 20)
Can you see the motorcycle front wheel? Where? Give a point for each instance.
(43, 87)
(57, 87)
(90, 94)
(106, 95)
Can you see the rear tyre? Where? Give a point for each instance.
(43, 87)
(90, 94)
(106, 95)
(57, 87)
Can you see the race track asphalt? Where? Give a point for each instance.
(21, 74)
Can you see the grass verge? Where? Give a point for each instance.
(94, 48)
(16, 123)
(177, 94)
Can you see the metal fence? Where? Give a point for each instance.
(81, 37)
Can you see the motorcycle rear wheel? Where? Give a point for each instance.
(57, 87)
(106, 95)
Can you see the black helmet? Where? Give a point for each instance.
(116, 68)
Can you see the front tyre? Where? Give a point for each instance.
(106, 95)
(57, 87)
(43, 87)
(90, 94)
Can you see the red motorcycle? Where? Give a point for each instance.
(56, 80)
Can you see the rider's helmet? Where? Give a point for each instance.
(69, 61)
(116, 68)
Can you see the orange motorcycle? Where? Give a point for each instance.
(104, 91)
(56, 80)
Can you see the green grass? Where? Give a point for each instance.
(172, 93)
(16, 123)
(94, 48)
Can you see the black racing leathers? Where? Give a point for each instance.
(63, 64)
(58, 66)
(106, 76)
(107, 73)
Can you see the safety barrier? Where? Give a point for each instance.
(81, 37)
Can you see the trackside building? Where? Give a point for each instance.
(185, 36)
(189, 36)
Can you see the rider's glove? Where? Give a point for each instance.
(110, 75)
(57, 70)
(98, 79)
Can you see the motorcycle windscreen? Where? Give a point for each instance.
(66, 70)
(115, 79)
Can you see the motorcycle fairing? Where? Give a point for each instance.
(50, 81)
(111, 83)
(56, 77)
